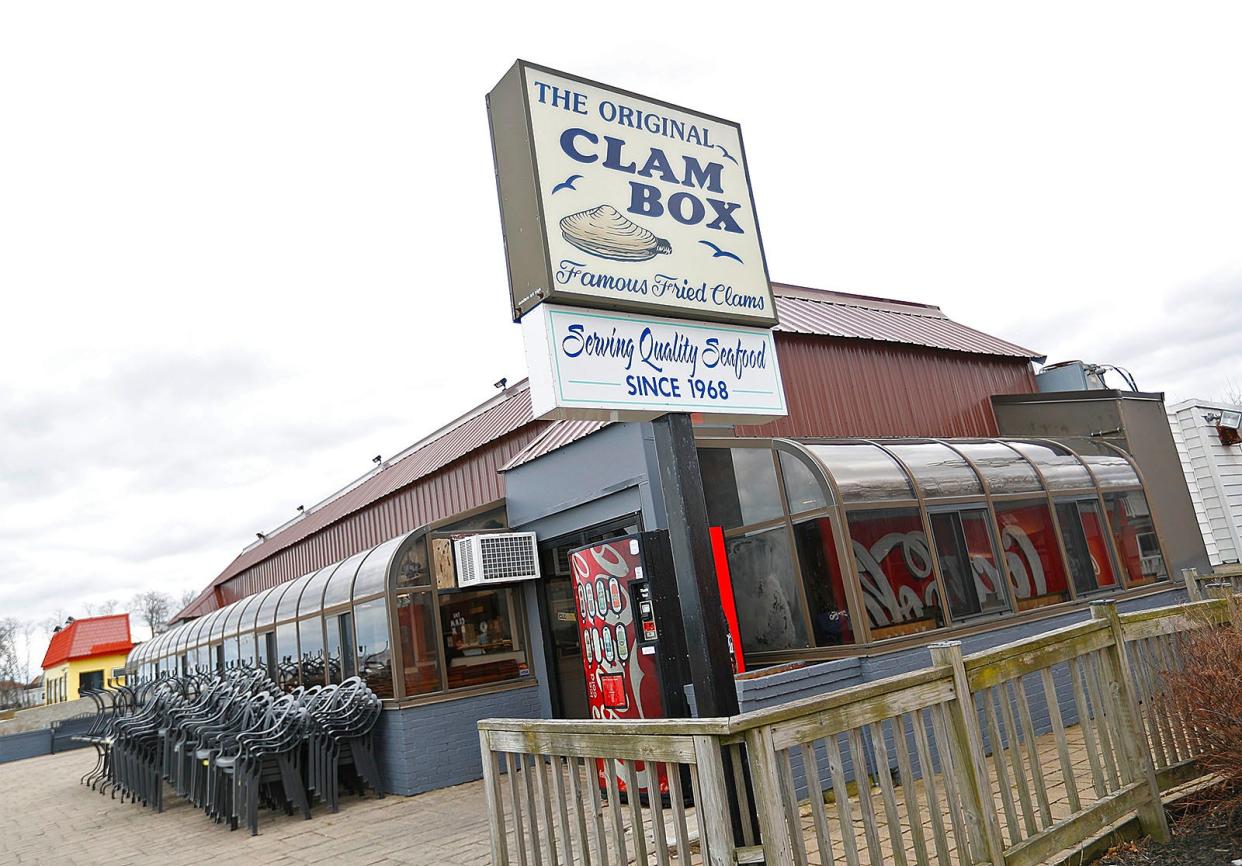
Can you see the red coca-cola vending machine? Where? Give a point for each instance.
(633, 649)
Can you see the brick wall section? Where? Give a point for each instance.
(437, 745)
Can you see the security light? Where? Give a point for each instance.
(1231, 419)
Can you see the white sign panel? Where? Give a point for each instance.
(588, 364)
(643, 206)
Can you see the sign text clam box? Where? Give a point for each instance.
(616, 201)
(603, 365)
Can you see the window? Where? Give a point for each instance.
(480, 638)
(765, 591)
(972, 577)
(1086, 547)
(287, 655)
(310, 635)
(90, 680)
(267, 658)
(1135, 534)
(740, 486)
(863, 472)
(895, 570)
(340, 656)
(802, 488)
(1029, 544)
(417, 626)
(374, 648)
(821, 578)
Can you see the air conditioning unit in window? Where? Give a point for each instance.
(500, 557)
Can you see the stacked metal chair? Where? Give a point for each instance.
(232, 743)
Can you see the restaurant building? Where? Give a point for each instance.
(883, 513)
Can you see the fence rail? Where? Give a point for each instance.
(1001, 757)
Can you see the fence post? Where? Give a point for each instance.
(713, 802)
(1191, 578)
(495, 805)
(1136, 750)
(765, 777)
(969, 763)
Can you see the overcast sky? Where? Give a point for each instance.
(244, 247)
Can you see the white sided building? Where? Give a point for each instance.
(1208, 442)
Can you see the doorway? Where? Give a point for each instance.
(560, 616)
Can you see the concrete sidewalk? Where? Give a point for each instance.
(47, 817)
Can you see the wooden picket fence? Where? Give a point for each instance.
(1007, 756)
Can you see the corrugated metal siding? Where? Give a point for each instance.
(1192, 484)
(807, 311)
(846, 387)
(470, 482)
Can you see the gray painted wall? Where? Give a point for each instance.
(28, 744)
(436, 745)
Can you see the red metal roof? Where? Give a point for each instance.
(486, 423)
(92, 636)
(558, 435)
(837, 314)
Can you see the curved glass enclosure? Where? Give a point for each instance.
(831, 543)
(378, 614)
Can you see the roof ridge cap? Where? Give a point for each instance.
(866, 302)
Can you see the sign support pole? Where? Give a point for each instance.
(706, 632)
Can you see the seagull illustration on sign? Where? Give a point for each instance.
(567, 183)
(727, 155)
(722, 254)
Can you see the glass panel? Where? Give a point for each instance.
(1060, 467)
(1113, 471)
(248, 607)
(267, 610)
(822, 581)
(287, 655)
(1085, 546)
(765, 591)
(410, 568)
(482, 643)
(1135, 534)
(938, 469)
(342, 580)
(234, 616)
(310, 634)
(1029, 543)
(265, 649)
(312, 594)
(246, 656)
(494, 519)
(340, 648)
(374, 651)
(863, 472)
(1005, 470)
(968, 565)
(416, 621)
(230, 652)
(802, 488)
(373, 573)
(222, 618)
(895, 570)
(288, 607)
(740, 486)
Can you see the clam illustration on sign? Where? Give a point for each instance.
(617, 201)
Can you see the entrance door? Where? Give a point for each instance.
(569, 700)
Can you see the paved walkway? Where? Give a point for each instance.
(47, 817)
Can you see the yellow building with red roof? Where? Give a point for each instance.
(86, 654)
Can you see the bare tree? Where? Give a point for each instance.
(1233, 391)
(103, 608)
(12, 672)
(187, 596)
(152, 607)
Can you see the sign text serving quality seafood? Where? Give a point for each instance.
(643, 206)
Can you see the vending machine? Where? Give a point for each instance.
(633, 648)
